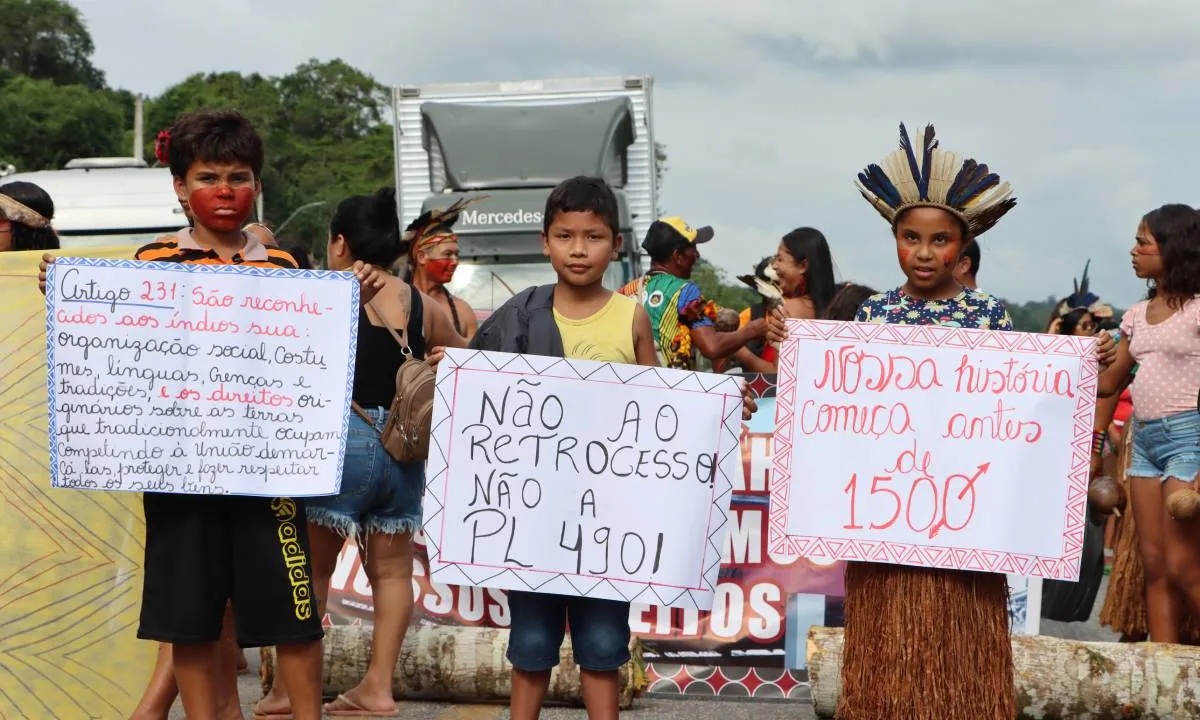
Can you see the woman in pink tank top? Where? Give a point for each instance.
(1161, 335)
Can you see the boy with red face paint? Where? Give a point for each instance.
(216, 159)
(432, 260)
(203, 552)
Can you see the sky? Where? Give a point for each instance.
(769, 108)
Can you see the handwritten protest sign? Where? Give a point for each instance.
(933, 446)
(198, 379)
(580, 478)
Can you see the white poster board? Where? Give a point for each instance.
(580, 478)
(933, 446)
(196, 379)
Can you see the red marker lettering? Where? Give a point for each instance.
(850, 368)
(999, 425)
(285, 331)
(303, 306)
(1013, 376)
(79, 317)
(871, 420)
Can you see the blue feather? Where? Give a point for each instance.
(930, 144)
(1082, 297)
(972, 179)
(906, 145)
(876, 181)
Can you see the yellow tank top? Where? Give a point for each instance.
(606, 336)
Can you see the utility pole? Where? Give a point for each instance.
(139, 143)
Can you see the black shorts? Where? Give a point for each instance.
(205, 550)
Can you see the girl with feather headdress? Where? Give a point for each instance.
(1080, 312)
(926, 643)
(433, 258)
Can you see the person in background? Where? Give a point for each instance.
(1080, 312)
(804, 268)
(1062, 600)
(26, 211)
(967, 270)
(295, 248)
(432, 260)
(846, 302)
(379, 504)
(1159, 337)
(681, 318)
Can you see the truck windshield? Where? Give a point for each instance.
(486, 285)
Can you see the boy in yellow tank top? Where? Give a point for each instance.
(580, 237)
(576, 318)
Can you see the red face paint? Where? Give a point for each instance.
(222, 208)
(441, 270)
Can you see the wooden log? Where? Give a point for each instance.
(1058, 678)
(449, 664)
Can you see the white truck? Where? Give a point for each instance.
(108, 201)
(513, 142)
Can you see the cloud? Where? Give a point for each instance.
(769, 108)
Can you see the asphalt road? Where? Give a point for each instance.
(659, 707)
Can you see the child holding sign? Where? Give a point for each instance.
(203, 552)
(575, 318)
(925, 643)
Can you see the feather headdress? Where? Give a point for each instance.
(1083, 298)
(765, 284)
(21, 213)
(924, 175)
(435, 225)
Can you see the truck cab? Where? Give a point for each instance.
(508, 146)
(500, 246)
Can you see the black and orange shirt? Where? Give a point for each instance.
(183, 248)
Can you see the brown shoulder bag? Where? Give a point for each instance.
(405, 435)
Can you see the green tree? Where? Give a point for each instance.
(716, 287)
(323, 129)
(331, 101)
(43, 125)
(46, 40)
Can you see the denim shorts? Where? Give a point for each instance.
(1166, 448)
(378, 495)
(599, 631)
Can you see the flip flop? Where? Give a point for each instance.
(343, 706)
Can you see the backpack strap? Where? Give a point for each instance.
(362, 413)
(401, 340)
(401, 334)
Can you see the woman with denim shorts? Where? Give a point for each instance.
(1161, 336)
(379, 504)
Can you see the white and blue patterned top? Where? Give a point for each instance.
(968, 309)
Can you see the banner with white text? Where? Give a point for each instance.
(551, 475)
(933, 446)
(198, 379)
